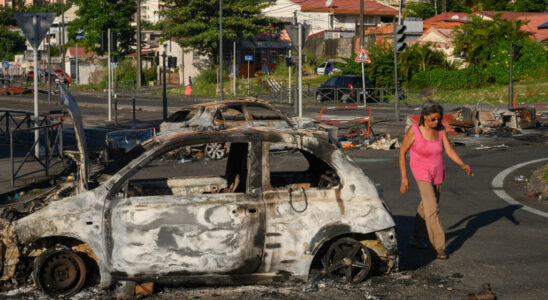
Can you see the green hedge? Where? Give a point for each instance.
(471, 77)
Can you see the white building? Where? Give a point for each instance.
(150, 10)
(331, 14)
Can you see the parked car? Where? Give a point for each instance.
(30, 75)
(259, 213)
(326, 68)
(343, 88)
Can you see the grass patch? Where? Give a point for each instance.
(545, 175)
(497, 94)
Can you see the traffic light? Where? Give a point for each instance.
(172, 62)
(517, 49)
(104, 41)
(399, 43)
(289, 61)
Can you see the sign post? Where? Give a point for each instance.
(363, 58)
(35, 26)
(298, 34)
(248, 58)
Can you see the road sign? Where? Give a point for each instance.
(363, 57)
(293, 32)
(248, 58)
(35, 31)
(10, 66)
(5, 64)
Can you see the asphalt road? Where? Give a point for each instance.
(488, 240)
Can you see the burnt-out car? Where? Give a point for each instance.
(281, 202)
(225, 114)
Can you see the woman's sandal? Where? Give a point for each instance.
(442, 255)
(417, 243)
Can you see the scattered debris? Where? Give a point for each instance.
(520, 178)
(384, 143)
(485, 294)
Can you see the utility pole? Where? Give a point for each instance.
(510, 82)
(49, 69)
(300, 70)
(138, 16)
(164, 93)
(63, 40)
(36, 75)
(109, 78)
(289, 80)
(234, 70)
(77, 81)
(396, 84)
(221, 50)
(362, 35)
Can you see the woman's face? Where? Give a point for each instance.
(432, 120)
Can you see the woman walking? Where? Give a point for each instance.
(188, 90)
(425, 143)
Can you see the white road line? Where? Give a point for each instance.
(498, 187)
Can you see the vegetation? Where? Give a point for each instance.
(198, 22)
(96, 16)
(11, 43)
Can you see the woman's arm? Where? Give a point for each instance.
(453, 155)
(408, 140)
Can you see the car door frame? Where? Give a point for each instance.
(253, 194)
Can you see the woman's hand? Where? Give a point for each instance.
(404, 188)
(467, 169)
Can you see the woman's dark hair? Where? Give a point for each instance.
(430, 107)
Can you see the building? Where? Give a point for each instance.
(150, 10)
(338, 15)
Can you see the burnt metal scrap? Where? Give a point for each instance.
(251, 223)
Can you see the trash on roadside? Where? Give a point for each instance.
(485, 294)
(496, 147)
(384, 143)
(145, 288)
(125, 290)
(520, 178)
(310, 287)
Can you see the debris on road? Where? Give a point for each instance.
(485, 294)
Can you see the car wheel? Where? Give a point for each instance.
(59, 272)
(215, 150)
(347, 260)
(319, 97)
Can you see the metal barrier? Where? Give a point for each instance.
(53, 148)
(16, 120)
(532, 106)
(365, 120)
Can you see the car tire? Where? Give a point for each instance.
(347, 260)
(59, 272)
(319, 97)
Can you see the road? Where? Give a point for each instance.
(488, 239)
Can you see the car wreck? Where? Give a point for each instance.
(282, 201)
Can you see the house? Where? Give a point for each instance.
(338, 15)
(441, 39)
(86, 62)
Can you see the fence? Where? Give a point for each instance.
(51, 138)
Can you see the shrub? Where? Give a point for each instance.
(471, 77)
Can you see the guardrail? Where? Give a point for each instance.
(52, 136)
(536, 105)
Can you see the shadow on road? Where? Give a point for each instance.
(411, 258)
(474, 222)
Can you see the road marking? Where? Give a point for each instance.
(498, 188)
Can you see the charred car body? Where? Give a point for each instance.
(246, 217)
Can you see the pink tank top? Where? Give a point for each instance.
(426, 158)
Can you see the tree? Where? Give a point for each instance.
(196, 22)
(530, 5)
(96, 16)
(476, 38)
(6, 16)
(10, 43)
(420, 9)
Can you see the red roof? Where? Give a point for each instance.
(449, 17)
(143, 52)
(348, 7)
(81, 52)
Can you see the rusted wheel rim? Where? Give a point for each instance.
(215, 150)
(348, 261)
(63, 273)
